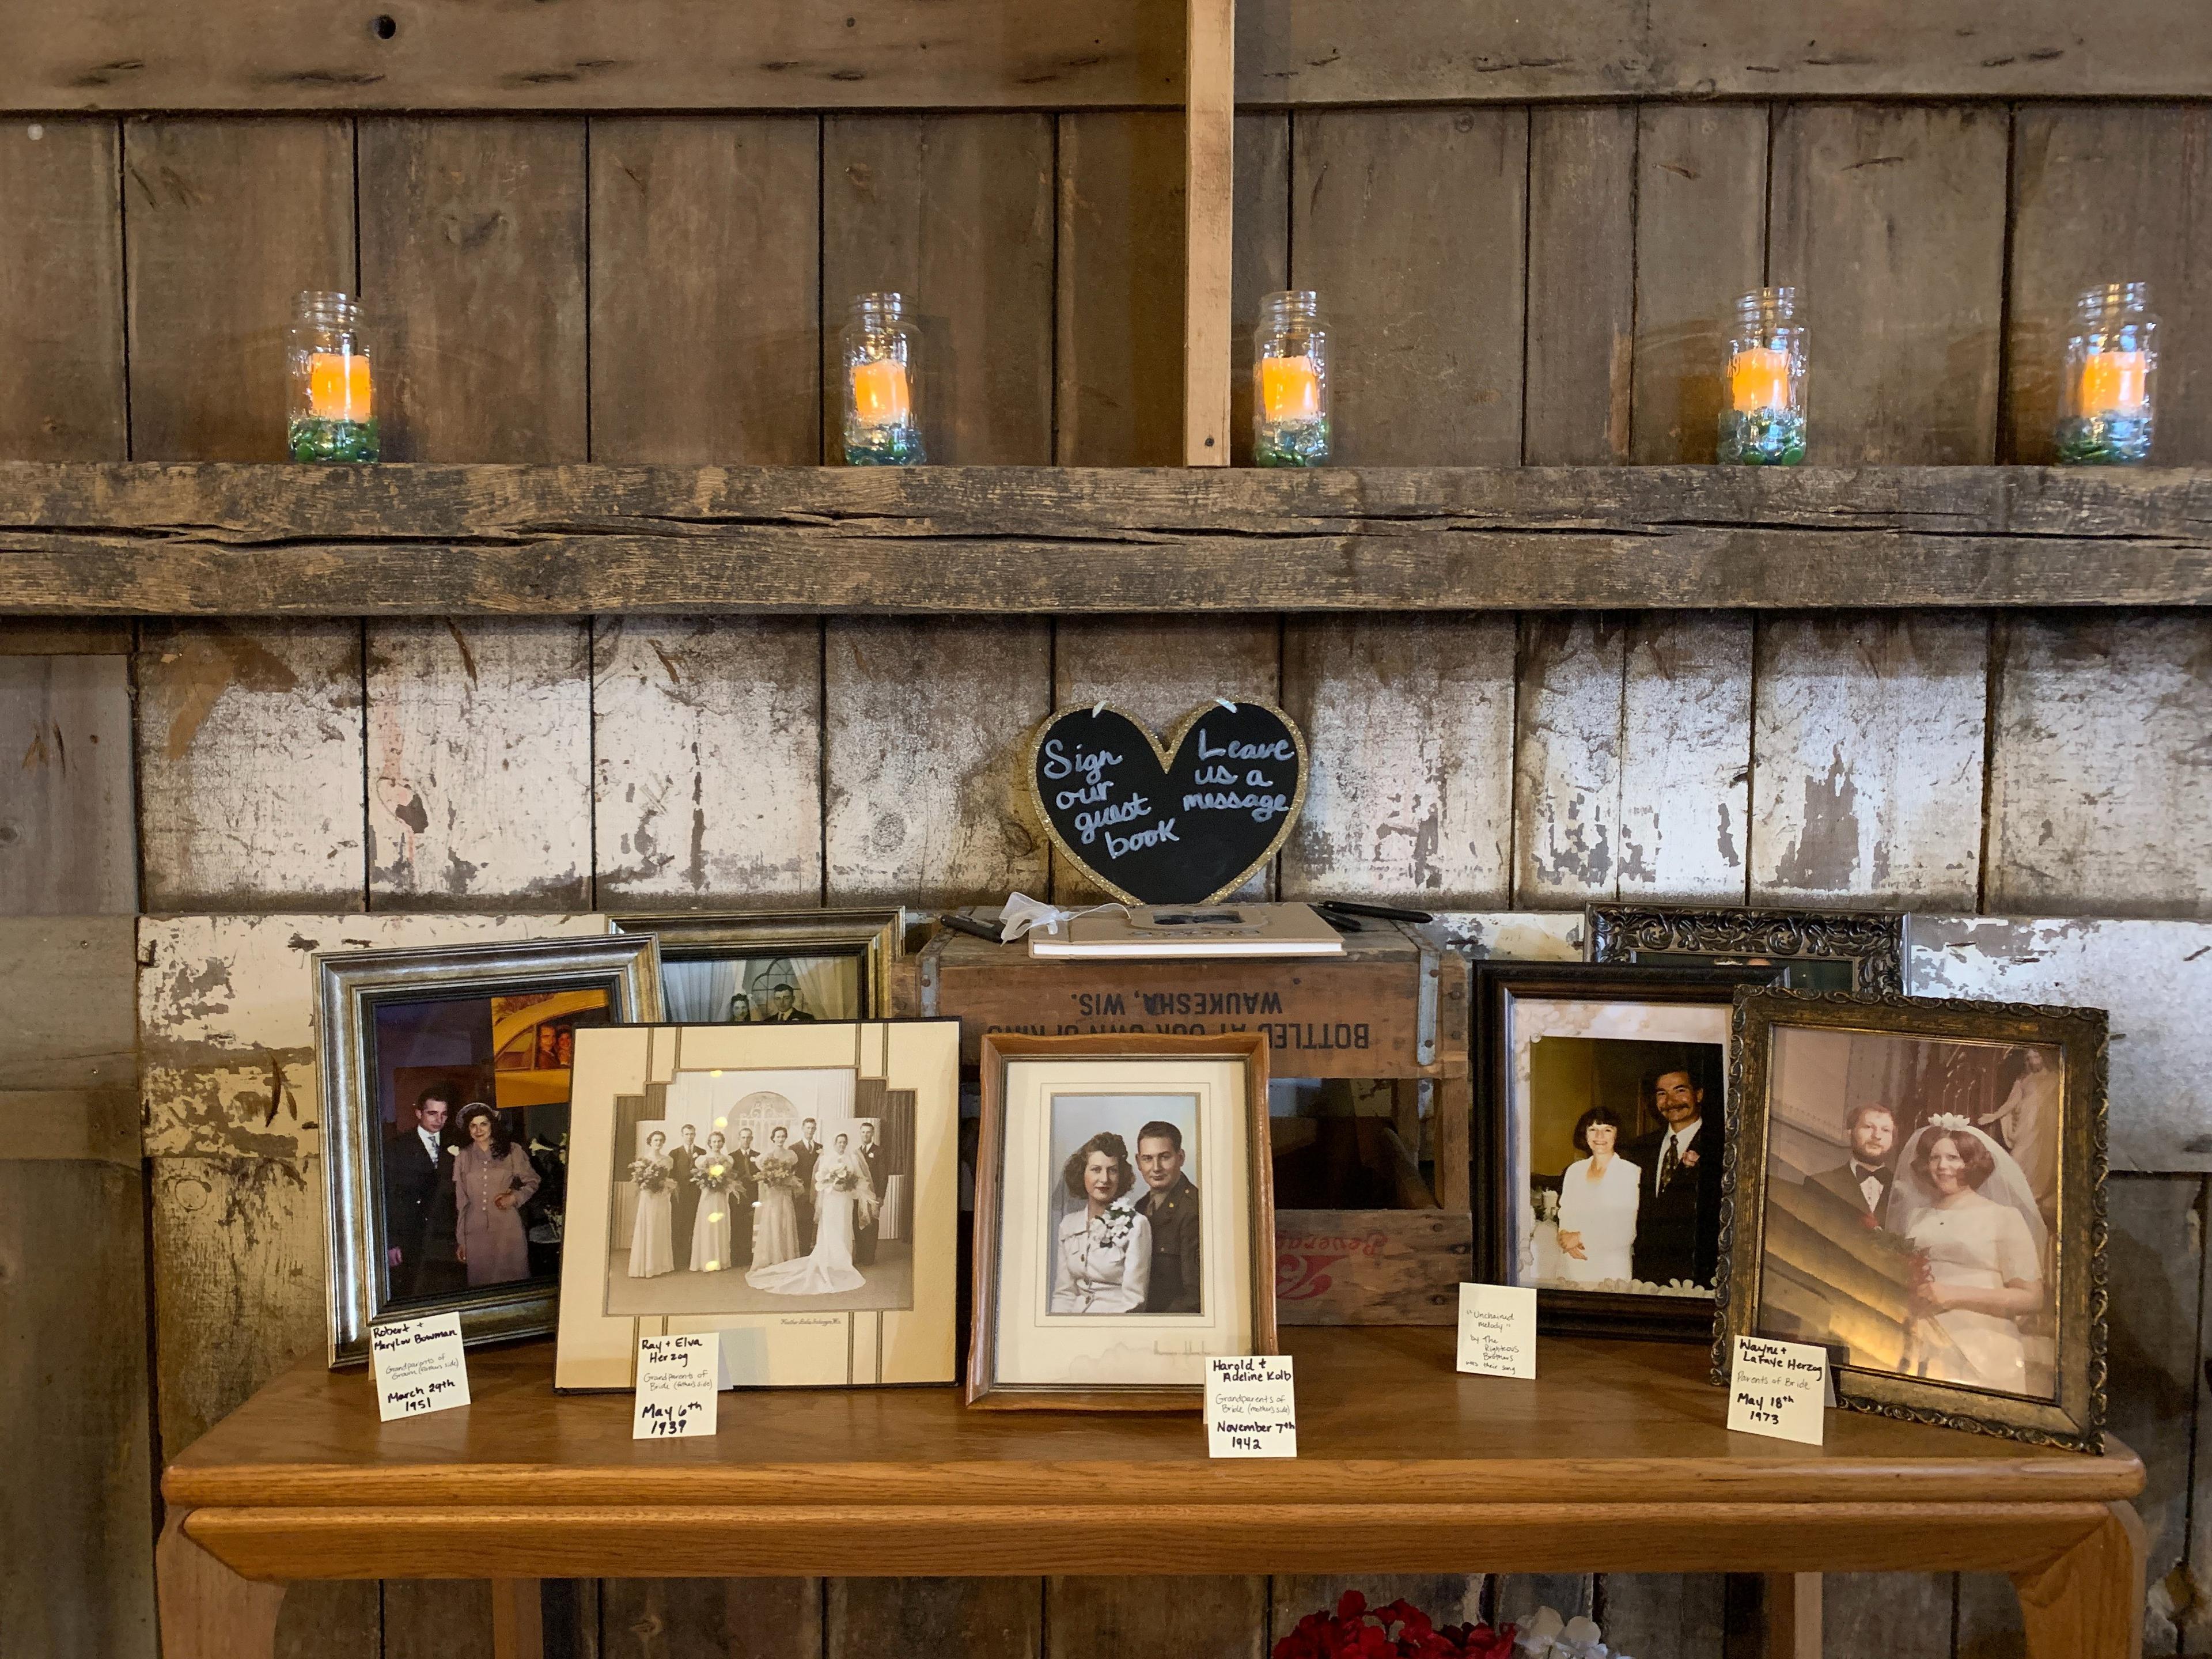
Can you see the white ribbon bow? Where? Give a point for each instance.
(1022, 915)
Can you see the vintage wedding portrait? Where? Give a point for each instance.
(1625, 1162)
(1911, 1203)
(763, 1192)
(1123, 1220)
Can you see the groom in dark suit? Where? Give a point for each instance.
(1677, 1215)
(1863, 1182)
(685, 1209)
(415, 1167)
(872, 1154)
(808, 1151)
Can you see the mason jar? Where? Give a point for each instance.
(1763, 413)
(2112, 369)
(330, 412)
(1290, 381)
(883, 426)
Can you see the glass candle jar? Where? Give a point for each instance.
(1763, 412)
(1290, 382)
(881, 425)
(2111, 362)
(332, 414)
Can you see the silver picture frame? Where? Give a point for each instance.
(351, 986)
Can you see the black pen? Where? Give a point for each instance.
(1380, 912)
(970, 926)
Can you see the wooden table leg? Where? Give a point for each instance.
(1793, 1615)
(2088, 1603)
(517, 1619)
(208, 1612)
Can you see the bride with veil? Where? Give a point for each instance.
(845, 1199)
(1963, 1202)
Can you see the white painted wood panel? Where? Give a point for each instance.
(1566, 772)
(1685, 759)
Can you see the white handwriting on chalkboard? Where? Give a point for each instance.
(1087, 823)
(1263, 807)
(1279, 750)
(1121, 846)
(1059, 764)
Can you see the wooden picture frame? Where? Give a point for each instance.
(874, 939)
(1506, 1222)
(360, 993)
(1815, 949)
(1247, 1053)
(1778, 1233)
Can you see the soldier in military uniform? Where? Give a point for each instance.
(1170, 1205)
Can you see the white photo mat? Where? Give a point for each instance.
(1039, 1349)
(802, 1348)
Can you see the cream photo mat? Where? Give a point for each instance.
(595, 1350)
(1529, 1019)
(1036, 1348)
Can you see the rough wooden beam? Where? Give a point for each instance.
(215, 539)
(1209, 171)
(886, 54)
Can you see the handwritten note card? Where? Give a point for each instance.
(1497, 1329)
(1251, 1408)
(1778, 1389)
(676, 1379)
(418, 1365)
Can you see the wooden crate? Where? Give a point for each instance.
(1394, 1008)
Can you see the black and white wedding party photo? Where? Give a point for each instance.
(1911, 1203)
(762, 1192)
(1625, 1161)
(1123, 1227)
(762, 990)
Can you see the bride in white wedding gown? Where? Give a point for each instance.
(844, 1198)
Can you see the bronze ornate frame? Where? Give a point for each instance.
(2076, 1417)
(1872, 942)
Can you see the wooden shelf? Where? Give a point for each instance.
(217, 540)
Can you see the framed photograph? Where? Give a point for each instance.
(1919, 1185)
(794, 1185)
(446, 1124)
(1815, 950)
(773, 966)
(1600, 1102)
(1124, 1219)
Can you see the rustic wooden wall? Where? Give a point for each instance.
(1538, 284)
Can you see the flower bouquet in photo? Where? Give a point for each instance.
(1400, 1631)
(844, 1180)
(714, 1175)
(651, 1176)
(778, 1177)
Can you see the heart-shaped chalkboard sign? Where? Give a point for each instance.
(1180, 824)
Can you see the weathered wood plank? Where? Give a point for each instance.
(2097, 797)
(926, 803)
(332, 1618)
(1867, 746)
(954, 212)
(234, 1114)
(706, 301)
(479, 765)
(2098, 195)
(68, 845)
(1219, 1618)
(1582, 284)
(1890, 220)
(1907, 1615)
(706, 737)
(1656, 1615)
(1566, 760)
(1410, 726)
(66, 983)
(438, 1618)
(1700, 241)
(1686, 759)
(472, 252)
(61, 292)
(490, 540)
(1158, 669)
(226, 221)
(1427, 339)
(662, 54)
(1118, 308)
(1260, 256)
(711, 1618)
(2156, 977)
(250, 767)
(976, 1618)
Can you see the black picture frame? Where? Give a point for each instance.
(1858, 950)
(1491, 1178)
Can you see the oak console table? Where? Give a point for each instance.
(1614, 1459)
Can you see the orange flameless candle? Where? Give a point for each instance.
(2114, 382)
(1759, 379)
(1290, 389)
(338, 386)
(879, 392)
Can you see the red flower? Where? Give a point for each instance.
(1400, 1631)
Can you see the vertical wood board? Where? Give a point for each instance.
(1220, 1617)
(1261, 256)
(893, 1618)
(62, 395)
(1566, 769)
(67, 839)
(1582, 283)
(1686, 759)
(711, 1618)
